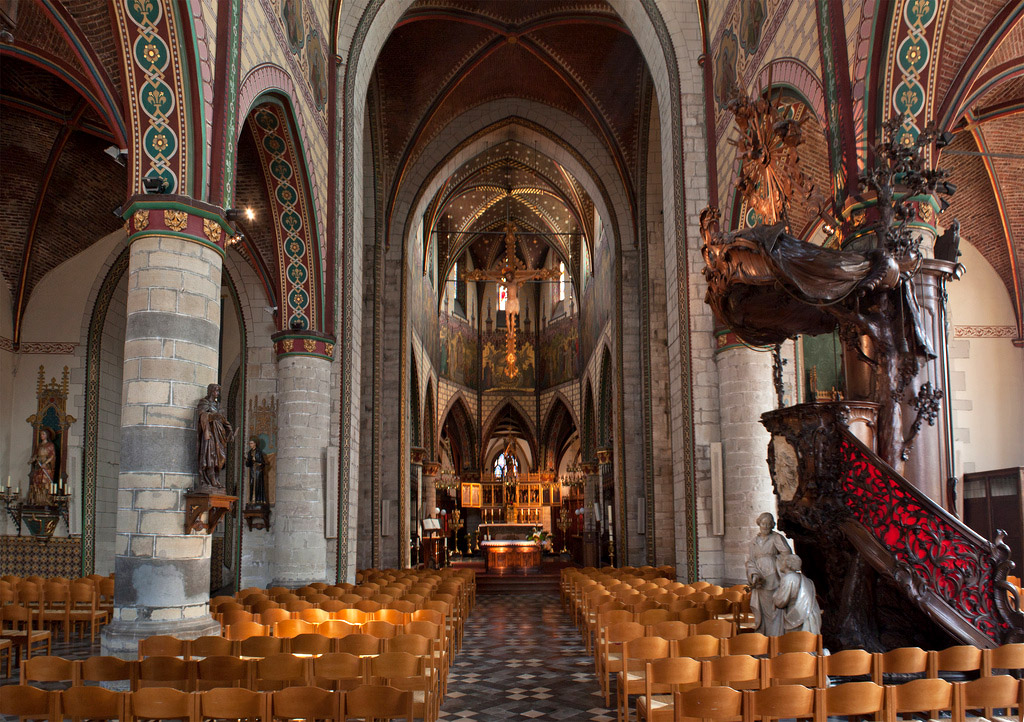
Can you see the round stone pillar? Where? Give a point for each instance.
(746, 392)
(303, 434)
(162, 572)
(929, 466)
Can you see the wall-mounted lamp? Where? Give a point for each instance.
(154, 184)
(120, 155)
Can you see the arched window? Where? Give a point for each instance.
(503, 463)
(562, 278)
(502, 297)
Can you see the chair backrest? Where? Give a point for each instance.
(358, 644)
(222, 671)
(281, 670)
(798, 641)
(288, 628)
(412, 643)
(781, 702)
(428, 615)
(310, 644)
(26, 701)
(378, 702)
(1007, 656)
(902, 660)
(850, 699)
(162, 645)
(961, 658)
(271, 616)
(93, 703)
(651, 617)
(209, 646)
(988, 693)
(244, 630)
(392, 667)
(338, 670)
(389, 615)
(673, 671)
(336, 629)
(160, 703)
(424, 628)
(230, 703)
(164, 672)
(721, 628)
(260, 646)
(793, 668)
(379, 629)
(846, 663)
(107, 669)
(739, 671)
(672, 630)
(693, 615)
(752, 643)
(305, 703)
(49, 669)
(717, 703)
(921, 695)
(314, 616)
(701, 646)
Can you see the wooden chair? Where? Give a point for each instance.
(902, 660)
(792, 669)
(693, 615)
(210, 646)
(379, 629)
(784, 701)
(314, 615)
(710, 703)
(662, 680)
(1007, 657)
(231, 704)
(222, 671)
(108, 669)
(288, 628)
(309, 645)
(338, 671)
(305, 703)
(278, 671)
(263, 605)
(7, 650)
(752, 643)
(739, 671)
(257, 647)
(272, 616)
(406, 671)
(172, 672)
(56, 609)
(332, 606)
(28, 702)
(988, 694)
(608, 660)
(361, 645)
(720, 628)
(393, 616)
(105, 588)
(163, 645)
(244, 630)
(650, 617)
(797, 642)
(703, 646)
(159, 703)
(845, 665)
(17, 623)
(636, 653)
(961, 659)
(378, 702)
(50, 669)
(672, 630)
(91, 703)
(928, 696)
(336, 629)
(853, 699)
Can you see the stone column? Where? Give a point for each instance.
(605, 473)
(170, 355)
(303, 433)
(746, 391)
(591, 533)
(430, 471)
(930, 464)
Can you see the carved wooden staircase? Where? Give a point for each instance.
(894, 568)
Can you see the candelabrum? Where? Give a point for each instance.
(456, 524)
(574, 477)
(564, 522)
(41, 519)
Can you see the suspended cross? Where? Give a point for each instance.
(511, 274)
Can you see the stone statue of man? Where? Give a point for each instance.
(795, 598)
(214, 434)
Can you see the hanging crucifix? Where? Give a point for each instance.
(511, 274)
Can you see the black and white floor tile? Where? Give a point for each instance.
(522, 659)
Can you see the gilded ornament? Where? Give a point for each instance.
(329, 349)
(140, 219)
(310, 345)
(211, 229)
(289, 345)
(175, 220)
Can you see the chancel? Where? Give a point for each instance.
(503, 329)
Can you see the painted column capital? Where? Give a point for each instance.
(417, 454)
(174, 216)
(303, 343)
(431, 468)
(604, 455)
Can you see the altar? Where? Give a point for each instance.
(511, 556)
(498, 530)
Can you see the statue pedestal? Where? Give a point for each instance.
(213, 506)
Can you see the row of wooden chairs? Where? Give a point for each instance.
(377, 702)
(63, 605)
(669, 696)
(397, 613)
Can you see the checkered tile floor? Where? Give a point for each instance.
(522, 659)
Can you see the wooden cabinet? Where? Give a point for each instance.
(995, 500)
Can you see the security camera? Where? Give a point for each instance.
(154, 184)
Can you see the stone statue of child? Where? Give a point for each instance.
(795, 597)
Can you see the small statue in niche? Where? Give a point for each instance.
(41, 474)
(255, 463)
(795, 598)
(763, 575)
(215, 432)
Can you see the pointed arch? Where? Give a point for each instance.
(588, 439)
(605, 432)
(429, 438)
(509, 409)
(457, 426)
(558, 429)
(415, 417)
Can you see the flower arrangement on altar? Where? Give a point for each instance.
(542, 537)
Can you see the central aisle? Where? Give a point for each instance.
(522, 659)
